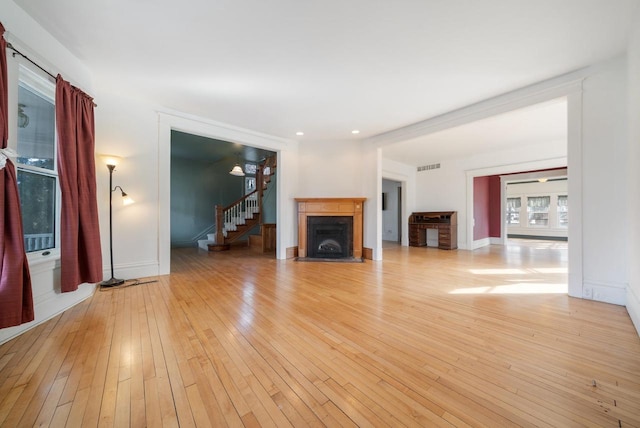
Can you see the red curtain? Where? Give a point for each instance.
(81, 254)
(16, 301)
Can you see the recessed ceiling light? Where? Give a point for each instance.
(355, 131)
(299, 133)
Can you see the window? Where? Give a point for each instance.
(250, 168)
(249, 185)
(250, 182)
(37, 170)
(538, 210)
(563, 211)
(513, 211)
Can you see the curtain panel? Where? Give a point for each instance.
(80, 250)
(16, 300)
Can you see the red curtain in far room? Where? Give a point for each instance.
(80, 251)
(16, 300)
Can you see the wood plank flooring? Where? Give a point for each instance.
(426, 338)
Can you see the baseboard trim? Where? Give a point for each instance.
(291, 253)
(605, 292)
(481, 243)
(49, 306)
(367, 253)
(542, 238)
(633, 308)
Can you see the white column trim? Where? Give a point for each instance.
(576, 207)
(169, 120)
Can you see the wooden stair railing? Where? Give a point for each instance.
(238, 218)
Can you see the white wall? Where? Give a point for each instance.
(330, 169)
(445, 189)
(196, 188)
(128, 127)
(287, 213)
(633, 164)
(604, 183)
(27, 36)
(371, 165)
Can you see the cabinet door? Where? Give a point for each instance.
(417, 236)
(444, 237)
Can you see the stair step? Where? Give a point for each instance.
(204, 243)
(216, 247)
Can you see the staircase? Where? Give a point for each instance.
(236, 220)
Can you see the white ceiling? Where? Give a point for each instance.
(328, 67)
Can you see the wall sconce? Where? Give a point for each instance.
(112, 162)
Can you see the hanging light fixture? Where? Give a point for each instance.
(23, 119)
(237, 169)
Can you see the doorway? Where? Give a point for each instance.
(391, 211)
(201, 179)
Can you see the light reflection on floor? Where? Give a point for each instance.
(548, 278)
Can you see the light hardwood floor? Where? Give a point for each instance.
(426, 338)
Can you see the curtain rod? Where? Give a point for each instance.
(17, 52)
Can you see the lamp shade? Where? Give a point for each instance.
(237, 171)
(110, 159)
(126, 199)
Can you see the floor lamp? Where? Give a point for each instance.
(111, 162)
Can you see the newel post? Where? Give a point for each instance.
(219, 224)
(260, 187)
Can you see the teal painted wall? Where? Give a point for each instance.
(196, 187)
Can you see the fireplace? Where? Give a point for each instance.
(330, 228)
(330, 237)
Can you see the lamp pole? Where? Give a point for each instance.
(112, 281)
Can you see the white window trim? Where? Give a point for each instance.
(553, 225)
(19, 70)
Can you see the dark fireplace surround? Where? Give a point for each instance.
(330, 228)
(330, 237)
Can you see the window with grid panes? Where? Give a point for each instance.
(538, 210)
(37, 170)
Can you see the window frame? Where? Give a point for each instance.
(530, 212)
(23, 74)
(517, 210)
(559, 211)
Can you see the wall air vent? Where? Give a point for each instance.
(429, 167)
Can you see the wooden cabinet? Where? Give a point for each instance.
(446, 222)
